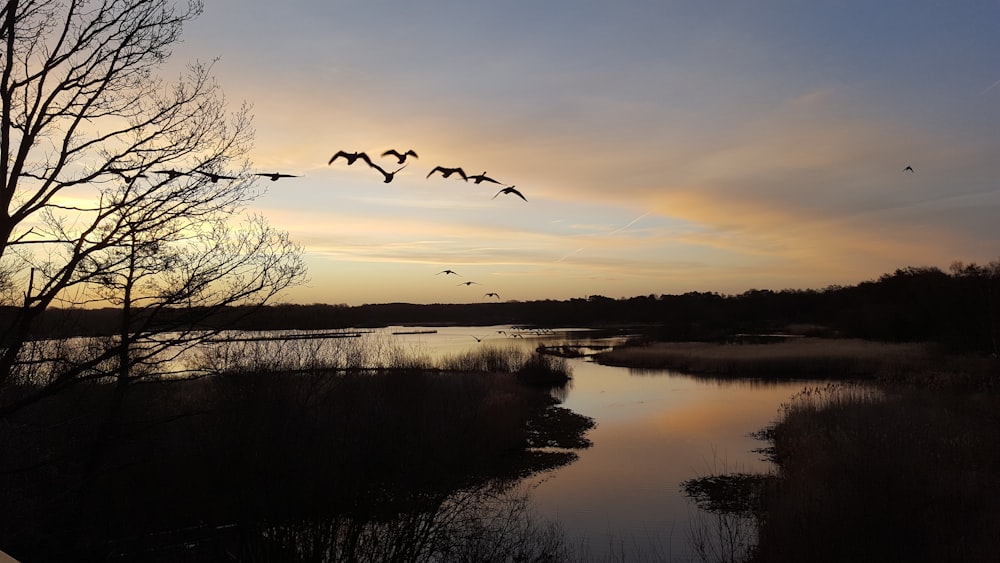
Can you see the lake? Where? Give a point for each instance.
(622, 499)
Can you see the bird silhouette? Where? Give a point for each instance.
(447, 172)
(212, 177)
(908, 168)
(388, 175)
(483, 178)
(351, 157)
(476, 337)
(274, 176)
(171, 174)
(491, 294)
(469, 283)
(446, 272)
(125, 176)
(400, 156)
(510, 190)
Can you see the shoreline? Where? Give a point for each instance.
(799, 358)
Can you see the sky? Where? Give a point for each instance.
(663, 147)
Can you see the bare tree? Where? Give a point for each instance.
(118, 189)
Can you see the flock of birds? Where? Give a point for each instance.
(401, 157)
(354, 157)
(351, 158)
(487, 295)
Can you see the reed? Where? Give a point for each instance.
(278, 438)
(884, 475)
(798, 358)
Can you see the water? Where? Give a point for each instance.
(653, 432)
(621, 500)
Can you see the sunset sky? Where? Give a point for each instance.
(663, 147)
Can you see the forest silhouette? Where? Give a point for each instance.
(957, 309)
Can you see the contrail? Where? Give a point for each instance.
(577, 251)
(633, 221)
(990, 88)
(618, 230)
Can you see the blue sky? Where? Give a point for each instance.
(663, 147)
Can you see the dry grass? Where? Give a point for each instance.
(791, 359)
(866, 475)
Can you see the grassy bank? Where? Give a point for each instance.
(270, 463)
(899, 474)
(897, 462)
(794, 358)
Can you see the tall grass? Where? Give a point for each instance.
(867, 475)
(798, 358)
(287, 441)
(490, 523)
(532, 368)
(370, 351)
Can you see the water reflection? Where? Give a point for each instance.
(494, 522)
(622, 499)
(752, 382)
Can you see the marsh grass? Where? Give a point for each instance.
(490, 358)
(369, 351)
(798, 358)
(280, 437)
(896, 461)
(727, 504)
(532, 368)
(884, 475)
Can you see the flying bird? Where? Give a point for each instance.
(275, 175)
(171, 174)
(510, 190)
(469, 283)
(388, 175)
(491, 294)
(483, 178)
(446, 172)
(125, 176)
(351, 157)
(401, 157)
(908, 168)
(446, 272)
(215, 177)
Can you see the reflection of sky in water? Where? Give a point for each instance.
(653, 432)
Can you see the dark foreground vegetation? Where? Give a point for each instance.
(388, 458)
(898, 462)
(885, 475)
(397, 464)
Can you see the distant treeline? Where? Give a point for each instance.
(958, 309)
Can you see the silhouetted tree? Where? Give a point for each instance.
(102, 196)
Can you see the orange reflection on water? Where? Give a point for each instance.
(653, 432)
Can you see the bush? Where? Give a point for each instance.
(544, 371)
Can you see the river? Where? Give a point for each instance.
(622, 499)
